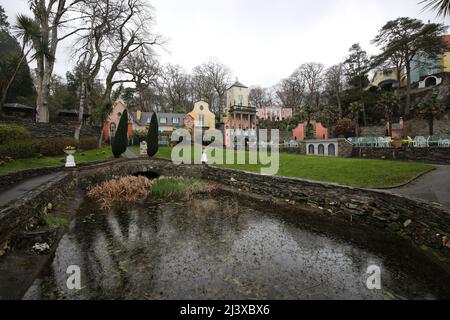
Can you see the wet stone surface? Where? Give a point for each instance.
(215, 248)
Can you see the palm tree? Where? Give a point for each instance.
(432, 107)
(389, 102)
(442, 7)
(29, 31)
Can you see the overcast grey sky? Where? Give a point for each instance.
(262, 41)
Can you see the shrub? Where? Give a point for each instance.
(344, 127)
(152, 137)
(55, 147)
(10, 132)
(88, 143)
(120, 143)
(19, 149)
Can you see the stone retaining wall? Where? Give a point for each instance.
(54, 129)
(425, 224)
(10, 179)
(434, 155)
(27, 212)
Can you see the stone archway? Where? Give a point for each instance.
(430, 82)
(311, 149)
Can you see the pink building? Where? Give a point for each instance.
(319, 131)
(274, 113)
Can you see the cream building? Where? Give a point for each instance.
(240, 121)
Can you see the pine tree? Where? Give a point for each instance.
(120, 142)
(153, 137)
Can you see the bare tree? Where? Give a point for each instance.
(210, 80)
(312, 74)
(52, 15)
(335, 82)
(290, 92)
(144, 71)
(122, 29)
(176, 88)
(260, 97)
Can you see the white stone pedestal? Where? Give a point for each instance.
(70, 159)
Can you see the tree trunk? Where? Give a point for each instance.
(408, 87)
(100, 139)
(431, 124)
(81, 111)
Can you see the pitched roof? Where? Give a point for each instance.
(239, 85)
(18, 106)
(146, 117)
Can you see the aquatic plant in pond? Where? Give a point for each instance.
(127, 189)
(131, 189)
(180, 187)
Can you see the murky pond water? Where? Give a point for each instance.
(214, 248)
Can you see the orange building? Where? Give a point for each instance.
(112, 122)
(319, 131)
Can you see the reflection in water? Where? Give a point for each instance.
(211, 248)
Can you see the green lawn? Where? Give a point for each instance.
(82, 157)
(353, 172)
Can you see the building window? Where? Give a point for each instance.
(163, 120)
(201, 120)
(321, 150)
(241, 100)
(332, 150)
(112, 130)
(175, 120)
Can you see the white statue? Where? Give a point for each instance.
(204, 158)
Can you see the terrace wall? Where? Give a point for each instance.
(53, 129)
(433, 155)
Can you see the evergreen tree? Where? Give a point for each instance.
(153, 136)
(120, 143)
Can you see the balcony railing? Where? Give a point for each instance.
(245, 133)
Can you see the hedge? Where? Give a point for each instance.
(56, 146)
(19, 149)
(12, 132)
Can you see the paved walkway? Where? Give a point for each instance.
(432, 187)
(19, 190)
(130, 154)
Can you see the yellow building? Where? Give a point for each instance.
(387, 78)
(200, 118)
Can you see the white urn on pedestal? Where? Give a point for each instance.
(70, 159)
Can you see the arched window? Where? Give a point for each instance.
(112, 130)
(331, 150)
(321, 150)
(311, 149)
